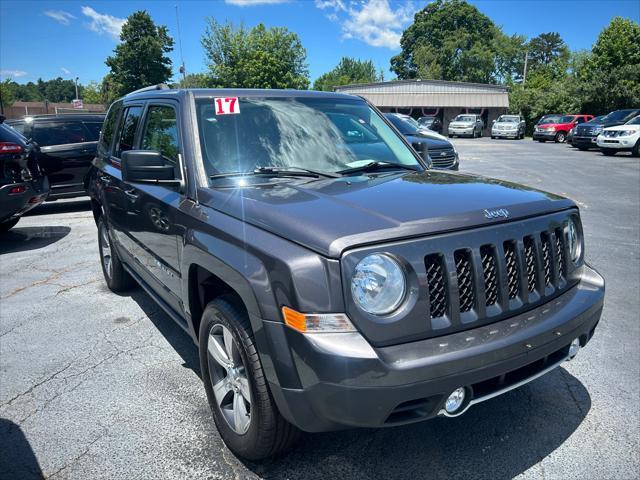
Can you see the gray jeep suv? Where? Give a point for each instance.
(329, 278)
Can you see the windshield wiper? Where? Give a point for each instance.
(376, 165)
(279, 172)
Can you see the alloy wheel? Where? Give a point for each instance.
(105, 251)
(228, 376)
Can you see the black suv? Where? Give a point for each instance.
(23, 186)
(67, 147)
(329, 278)
(586, 135)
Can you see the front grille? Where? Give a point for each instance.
(437, 285)
(465, 280)
(586, 131)
(508, 276)
(442, 157)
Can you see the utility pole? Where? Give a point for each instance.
(77, 88)
(526, 61)
(183, 70)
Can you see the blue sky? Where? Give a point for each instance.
(53, 38)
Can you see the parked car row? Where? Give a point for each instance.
(618, 131)
(44, 157)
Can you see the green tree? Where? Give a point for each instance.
(195, 80)
(140, 59)
(453, 40)
(7, 94)
(349, 70)
(609, 78)
(547, 48)
(255, 58)
(91, 93)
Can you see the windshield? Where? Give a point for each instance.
(426, 120)
(549, 119)
(406, 128)
(465, 118)
(566, 119)
(322, 134)
(619, 116)
(508, 118)
(596, 119)
(634, 121)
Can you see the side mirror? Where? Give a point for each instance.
(423, 150)
(492, 122)
(147, 166)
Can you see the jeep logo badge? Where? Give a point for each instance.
(497, 213)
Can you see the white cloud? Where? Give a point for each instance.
(60, 16)
(66, 71)
(374, 22)
(12, 73)
(249, 3)
(104, 23)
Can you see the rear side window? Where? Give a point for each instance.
(131, 119)
(18, 127)
(94, 130)
(59, 133)
(109, 128)
(161, 132)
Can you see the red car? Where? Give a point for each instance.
(556, 127)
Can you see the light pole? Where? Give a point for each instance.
(77, 88)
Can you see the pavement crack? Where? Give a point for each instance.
(36, 385)
(77, 458)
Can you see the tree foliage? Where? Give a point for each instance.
(140, 59)
(349, 70)
(254, 58)
(91, 93)
(453, 40)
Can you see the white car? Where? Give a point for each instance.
(508, 126)
(622, 138)
(467, 125)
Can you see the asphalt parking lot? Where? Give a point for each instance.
(96, 385)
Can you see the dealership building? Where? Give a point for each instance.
(440, 98)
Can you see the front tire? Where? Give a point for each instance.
(116, 277)
(560, 137)
(8, 225)
(636, 149)
(242, 406)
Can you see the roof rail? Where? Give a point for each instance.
(159, 86)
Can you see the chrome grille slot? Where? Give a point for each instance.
(560, 253)
(490, 271)
(513, 271)
(546, 257)
(438, 297)
(466, 288)
(530, 261)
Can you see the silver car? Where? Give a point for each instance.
(508, 126)
(466, 125)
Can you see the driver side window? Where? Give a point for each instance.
(161, 132)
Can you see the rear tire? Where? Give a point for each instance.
(609, 152)
(267, 433)
(8, 225)
(116, 277)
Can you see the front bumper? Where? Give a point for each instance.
(13, 205)
(505, 133)
(617, 143)
(345, 382)
(544, 135)
(459, 131)
(585, 142)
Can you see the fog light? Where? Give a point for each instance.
(574, 347)
(455, 400)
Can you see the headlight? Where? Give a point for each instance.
(379, 285)
(624, 133)
(575, 242)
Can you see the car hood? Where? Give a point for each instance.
(462, 124)
(505, 124)
(556, 125)
(332, 215)
(624, 127)
(433, 141)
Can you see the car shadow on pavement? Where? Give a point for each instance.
(22, 239)
(17, 459)
(177, 337)
(61, 206)
(498, 439)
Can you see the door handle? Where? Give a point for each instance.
(105, 179)
(131, 195)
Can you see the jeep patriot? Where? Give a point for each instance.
(328, 276)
